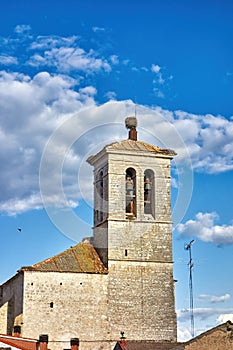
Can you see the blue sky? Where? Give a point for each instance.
(70, 72)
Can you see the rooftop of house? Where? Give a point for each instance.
(18, 342)
(145, 345)
(82, 258)
(224, 328)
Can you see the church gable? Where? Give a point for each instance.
(80, 258)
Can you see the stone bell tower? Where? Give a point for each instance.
(133, 236)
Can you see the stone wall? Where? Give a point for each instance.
(64, 306)
(141, 299)
(138, 250)
(139, 241)
(11, 304)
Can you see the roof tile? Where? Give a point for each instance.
(146, 345)
(80, 258)
(131, 145)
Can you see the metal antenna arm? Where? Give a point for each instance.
(190, 264)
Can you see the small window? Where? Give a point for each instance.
(126, 252)
(51, 305)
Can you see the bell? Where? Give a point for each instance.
(147, 184)
(129, 186)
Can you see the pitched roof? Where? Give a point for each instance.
(145, 345)
(18, 342)
(80, 258)
(131, 145)
(224, 327)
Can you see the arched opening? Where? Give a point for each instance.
(148, 192)
(130, 192)
(99, 197)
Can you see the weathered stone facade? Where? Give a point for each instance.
(133, 291)
(11, 303)
(69, 304)
(136, 250)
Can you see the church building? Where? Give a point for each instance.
(119, 280)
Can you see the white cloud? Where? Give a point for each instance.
(8, 60)
(183, 315)
(22, 28)
(32, 107)
(209, 141)
(17, 205)
(155, 68)
(205, 229)
(183, 334)
(31, 110)
(158, 92)
(49, 42)
(225, 317)
(214, 299)
(111, 95)
(98, 29)
(126, 62)
(66, 59)
(114, 59)
(158, 81)
(204, 319)
(88, 90)
(63, 54)
(221, 298)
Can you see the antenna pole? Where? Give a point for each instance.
(190, 264)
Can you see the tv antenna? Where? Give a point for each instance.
(190, 264)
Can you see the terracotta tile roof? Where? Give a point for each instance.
(145, 345)
(130, 145)
(80, 258)
(19, 343)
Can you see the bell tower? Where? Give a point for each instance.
(133, 236)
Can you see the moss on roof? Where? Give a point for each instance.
(80, 258)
